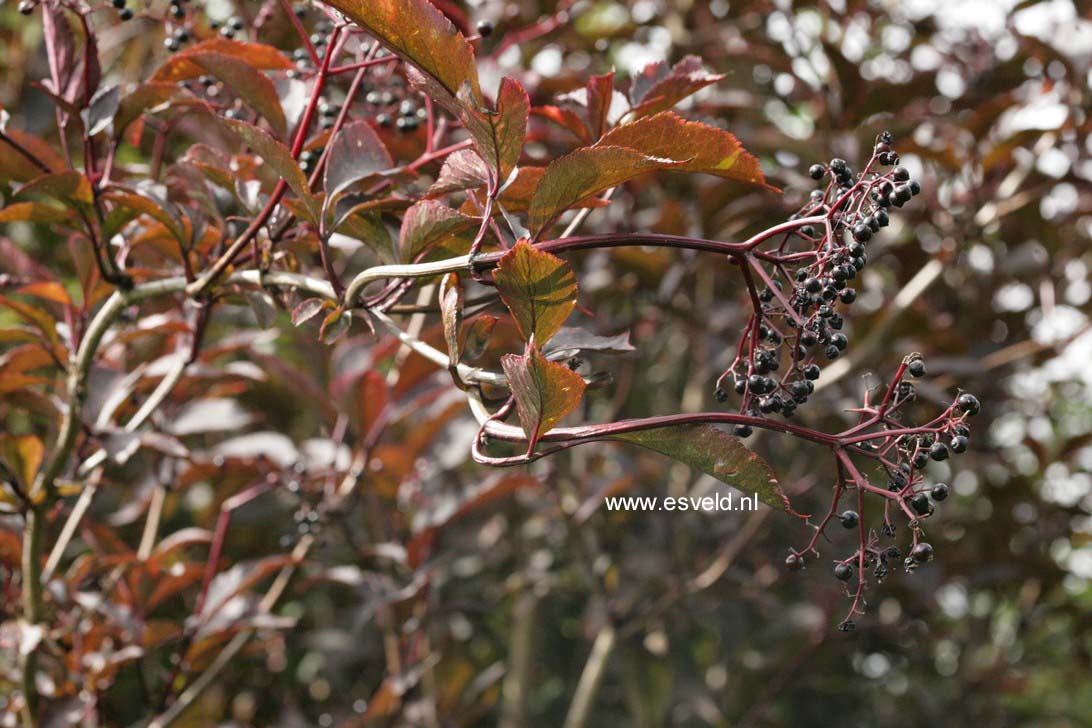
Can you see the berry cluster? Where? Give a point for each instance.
(806, 279)
(900, 453)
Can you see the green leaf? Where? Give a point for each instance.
(498, 135)
(714, 452)
(583, 173)
(249, 84)
(430, 224)
(368, 228)
(538, 288)
(545, 391)
(695, 147)
(277, 156)
(356, 153)
(420, 33)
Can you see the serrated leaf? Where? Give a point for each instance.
(498, 135)
(277, 156)
(430, 224)
(587, 171)
(248, 83)
(538, 288)
(545, 391)
(567, 119)
(416, 31)
(714, 452)
(181, 66)
(658, 87)
(356, 153)
(694, 146)
(462, 170)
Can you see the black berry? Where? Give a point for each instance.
(959, 444)
(938, 451)
(485, 28)
(939, 492)
(969, 404)
(922, 553)
(816, 171)
(916, 368)
(794, 562)
(843, 572)
(849, 519)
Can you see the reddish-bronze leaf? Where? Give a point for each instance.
(22, 455)
(538, 288)
(71, 187)
(277, 156)
(356, 153)
(248, 83)
(714, 452)
(694, 146)
(586, 172)
(477, 338)
(430, 224)
(658, 88)
(181, 66)
(418, 32)
(567, 119)
(33, 212)
(462, 170)
(146, 96)
(599, 95)
(451, 313)
(545, 391)
(499, 134)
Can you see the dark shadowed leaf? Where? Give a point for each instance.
(334, 326)
(246, 82)
(462, 170)
(571, 340)
(696, 146)
(477, 338)
(418, 32)
(355, 154)
(277, 156)
(538, 288)
(451, 313)
(583, 173)
(430, 224)
(100, 112)
(658, 87)
(714, 452)
(545, 391)
(146, 96)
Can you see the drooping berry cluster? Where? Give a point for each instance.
(806, 278)
(900, 453)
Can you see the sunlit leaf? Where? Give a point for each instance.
(33, 212)
(587, 171)
(659, 87)
(451, 314)
(22, 455)
(498, 135)
(538, 288)
(181, 66)
(714, 452)
(418, 32)
(545, 391)
(696, 147)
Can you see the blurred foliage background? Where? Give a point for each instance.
(986, 273)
